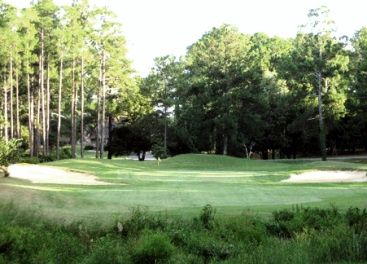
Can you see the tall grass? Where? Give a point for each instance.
(293, 235)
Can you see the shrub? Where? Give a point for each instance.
(140, 220)
(65, 153)
(207, 216)
(88, 147)
(10, 152)
(243, 228)
(289, 222)
(33, 160)
(357, 218)
(158, 151)
(208, 247)
(152, 248)
(105, 250)
(338, 244)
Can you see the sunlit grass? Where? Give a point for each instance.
(183, 184)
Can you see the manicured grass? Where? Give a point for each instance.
(182, 185)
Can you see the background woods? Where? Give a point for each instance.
(66, 79)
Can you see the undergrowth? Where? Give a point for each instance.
(294, 235)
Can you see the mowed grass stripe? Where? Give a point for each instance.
(184, 184)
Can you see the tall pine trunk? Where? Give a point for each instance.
(48, 112)
(165, 130)
(109, 135)
(37, 124)
(30, 115)
(42, 90)
(103, 102)
(322, 132)
(73, 107)
(17, 104)
(11, 97)
(59, 107)
(82, 109)
(98, 129)
(6, 135)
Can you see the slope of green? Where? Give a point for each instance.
(182, 185)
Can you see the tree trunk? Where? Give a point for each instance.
(103, 102)
(265, 154)
(30, 116)
(98, 145)
(165, 131)
(48, 113)
(42, 88)
(37, 124)
(17, 104)
(59, 107)
(109, 136)
(141, 155)
(6, 135)
(225, 144)
(226, 111)
(82, 109)
(73, 107)
(11, 97)
(321, 118)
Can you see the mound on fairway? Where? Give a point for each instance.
(329, 176)
(44, 174)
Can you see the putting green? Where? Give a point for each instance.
(181, 185)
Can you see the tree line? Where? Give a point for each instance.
(234, 94)
(65, 74)
(53, 61)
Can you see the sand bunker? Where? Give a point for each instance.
(329, 176)
(44, 174)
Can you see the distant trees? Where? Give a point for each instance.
(64, 73)
(53, 60)
(275, 96)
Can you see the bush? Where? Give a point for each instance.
(243, 229)
(105, 250)
(338, 244)
(33, 160)
(65, 153)
(207, 216)
(208, 247)
(158, 151)
(152, 248)
(88, 147)
(140, 220)
(10, 152)
(357, 218)
(289, 222)
(323, 236)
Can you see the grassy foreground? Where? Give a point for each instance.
(191, 209)
(182, 185)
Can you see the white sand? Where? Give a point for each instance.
(44, 174)
(329, 176)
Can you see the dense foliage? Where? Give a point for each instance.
(65, 70)
(10, 153)
(296, 235)
(236, 94)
